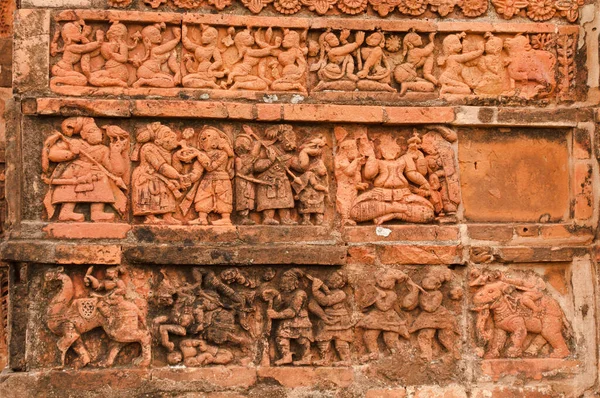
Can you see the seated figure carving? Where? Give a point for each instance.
(158, 51)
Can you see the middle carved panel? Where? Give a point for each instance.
(224, 173)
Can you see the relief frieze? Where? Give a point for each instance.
(198, 57)
(199, 316)
(538, 11)
(224, 174)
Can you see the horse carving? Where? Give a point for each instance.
(69, 318)
(512, 319)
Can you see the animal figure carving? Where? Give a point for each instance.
(512, 319)
(69, 318)
(526, 64)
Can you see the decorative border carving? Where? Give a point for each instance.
(534, 10)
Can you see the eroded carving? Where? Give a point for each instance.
(516, 315)
(231, 316)
(121, 319)
(416, 184)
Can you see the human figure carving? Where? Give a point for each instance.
(275, 163)
(247, 151)
(240, 77)
(69, 317)
(88, 171)
(292, 59)
(156, 183)
(75, 45)
(336, 65)
(335, 325)
(183, 315)
(379, 301)
(452, 61)
(416, 56)
(375, 74)
(158, 52)
(115, 52)
(205, 64)
(493, 80)
(290, 309)
(213, 193)
(348, 166)
(196, 352)
(392, 197)
(314, 189)
(434, 318)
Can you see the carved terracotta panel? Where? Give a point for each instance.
(172, 55)
(200, 316)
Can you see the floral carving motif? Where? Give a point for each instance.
(536, 10)
(473, 8)
(509, 8)
(352, 7)
(443, 7)
(287, 6)
(412, 7)
(256, 6)
(119, 3)
(384, 7)
(569, 9)
(188, 4)
(319, 6)
(155, 3)
(541, 10)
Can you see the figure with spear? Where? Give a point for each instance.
(274, 166)
(88, 171)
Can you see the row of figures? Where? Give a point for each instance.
(201, 176)
(282, 322)
(288, 60)
(270, 175)
(242, 59)
(260, 316)
(263, 317)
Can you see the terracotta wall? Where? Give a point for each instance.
(299, 198)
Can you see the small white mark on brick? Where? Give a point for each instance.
(381, 231)
(296, 99)
(270, 98)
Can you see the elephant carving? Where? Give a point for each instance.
(69, 318)
(513, 317)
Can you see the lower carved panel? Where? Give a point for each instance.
(392, 320)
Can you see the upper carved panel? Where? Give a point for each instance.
(506, 9)
(332, 64)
